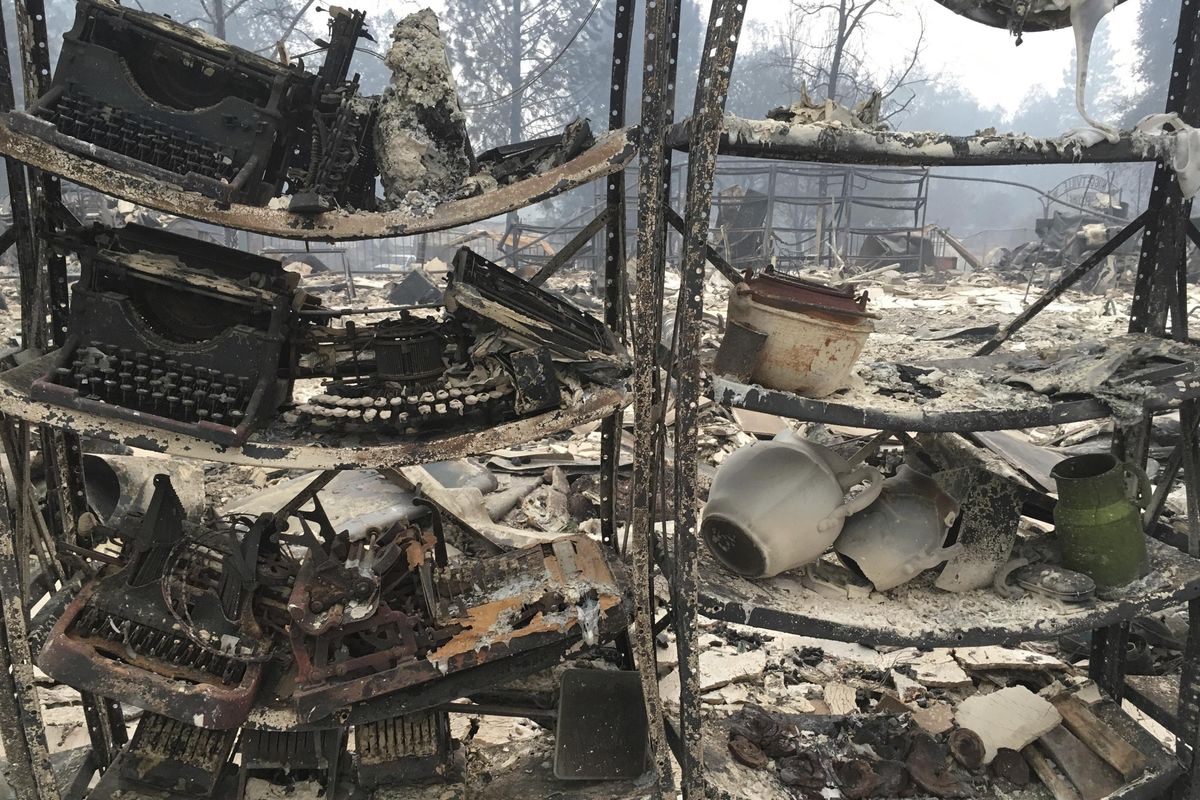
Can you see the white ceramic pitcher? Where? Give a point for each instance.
(778, 505)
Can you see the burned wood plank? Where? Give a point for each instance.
(1117, 752)
(1050, 777)
(1092, 777)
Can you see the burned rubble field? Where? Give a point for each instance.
(744, 667)
(581, 509)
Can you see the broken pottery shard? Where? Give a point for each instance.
(840, 698)
(938, 669)
(421, 138)
(1012, 718)
(992, 657)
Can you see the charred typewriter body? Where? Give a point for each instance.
(144, 94)
(176, 333)
(120, 639)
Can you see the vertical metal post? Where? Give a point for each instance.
(61, 450)
(651, 238)
(33, 329)
(614, 268)
(1164, 247)
(615, 289)
(20, 713)
(768, 246)
(716, 66)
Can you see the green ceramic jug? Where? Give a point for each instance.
(1098, 519)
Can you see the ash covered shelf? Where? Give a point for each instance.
(995, 392)
(610, 154)
(276, 447)
(822, 142)
(918, 614)
(1157, 696)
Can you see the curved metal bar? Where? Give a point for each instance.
(716, 66)
(610, 154)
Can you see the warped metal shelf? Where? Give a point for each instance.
(889, 414)
(609, 154)
(982, 395)
(918, 614)
(275, 448)
(822, 142)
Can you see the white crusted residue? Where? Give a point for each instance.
(1183, 148)
(1085, 16)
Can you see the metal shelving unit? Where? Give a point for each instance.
(697, 584)
(35, 171)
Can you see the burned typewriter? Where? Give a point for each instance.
(144, 94)
(507, 349)
(385, 615)
(185, 628)
(119, 637)
(176, 333)
(203, 623)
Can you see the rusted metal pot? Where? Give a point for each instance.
(815, 333)
(1098, 520)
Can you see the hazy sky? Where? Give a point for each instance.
(982, 60)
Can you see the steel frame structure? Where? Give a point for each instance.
(1160, 308)
(44, 531)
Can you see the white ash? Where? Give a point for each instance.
(421, 137)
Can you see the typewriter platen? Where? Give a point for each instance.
(175, 332)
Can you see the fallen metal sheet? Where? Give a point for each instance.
(356, 500)
(610, 154)
(1033, 461)
(987, 527)
(601, 729)
(414, 289)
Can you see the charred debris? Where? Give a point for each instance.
(205, 116)
(921, 565)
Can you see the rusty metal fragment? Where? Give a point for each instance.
(967, 748)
